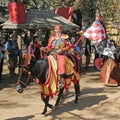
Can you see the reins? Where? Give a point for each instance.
(19, 81)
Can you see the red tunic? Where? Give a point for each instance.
(63, 46)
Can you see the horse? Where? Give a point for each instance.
(42, 71)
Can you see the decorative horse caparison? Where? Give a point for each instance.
(110, 70)
(44, 71)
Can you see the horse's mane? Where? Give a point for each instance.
(34, 61)
(38, 68)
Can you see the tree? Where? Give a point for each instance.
(109, 8)
(38, 4)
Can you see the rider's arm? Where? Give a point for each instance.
(49, 46)
(64, 49)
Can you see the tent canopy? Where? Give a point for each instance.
(41, 19)
(2, 18)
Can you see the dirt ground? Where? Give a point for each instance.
(97, 101)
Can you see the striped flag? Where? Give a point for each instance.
(96, 32)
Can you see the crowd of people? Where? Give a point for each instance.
(62, 44)
(59, 44)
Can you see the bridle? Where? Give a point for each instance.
(28, 77)
(19, 77)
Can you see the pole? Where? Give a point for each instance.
(108, 71)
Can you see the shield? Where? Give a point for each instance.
(98, 63)
(77, 48)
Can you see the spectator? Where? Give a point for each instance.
(1, 60)
(37, 46)
(13, 51)
(27, 38)
(87, 52)
(31, 49)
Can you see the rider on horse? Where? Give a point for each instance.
(58, 46)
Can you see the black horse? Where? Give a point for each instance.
(40, 69)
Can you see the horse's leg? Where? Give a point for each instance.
(59, 96)
(45, 100)
(77, 92)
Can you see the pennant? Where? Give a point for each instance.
(96, 32)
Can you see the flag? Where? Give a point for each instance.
(96, 32)
(66, 12)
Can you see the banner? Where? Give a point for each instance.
(96, 32)
(65, 12)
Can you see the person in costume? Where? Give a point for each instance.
(58, 46)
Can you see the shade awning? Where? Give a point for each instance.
(2, 19)
(41, 19)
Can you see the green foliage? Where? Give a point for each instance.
(109, 8)
(39, 4)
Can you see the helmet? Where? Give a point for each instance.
(57, 27)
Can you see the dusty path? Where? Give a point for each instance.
(97, 101)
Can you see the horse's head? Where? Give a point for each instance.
(36, 69)
(24, 79)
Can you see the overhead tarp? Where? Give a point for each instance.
(2, 19)
(41, 19)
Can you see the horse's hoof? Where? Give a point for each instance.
(42, 115)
